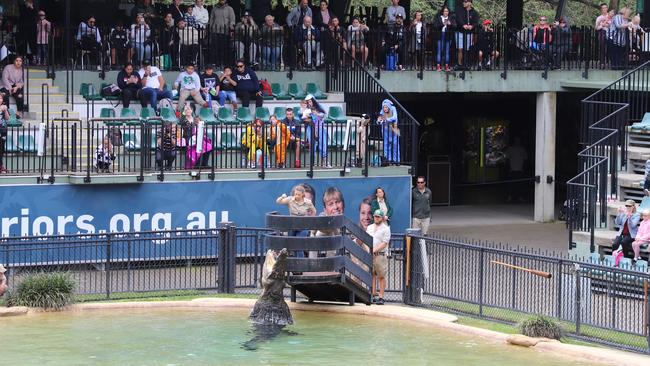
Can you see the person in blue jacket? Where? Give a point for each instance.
(390, 131)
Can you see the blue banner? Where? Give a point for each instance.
(33, 210)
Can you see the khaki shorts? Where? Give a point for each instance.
(380, 265)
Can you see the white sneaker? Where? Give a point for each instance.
(646, 192)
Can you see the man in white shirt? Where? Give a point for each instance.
(380, 233)
(152, 85)
(201, 13)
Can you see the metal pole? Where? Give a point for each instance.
(108, 266)
(481, 269)
(577, 301)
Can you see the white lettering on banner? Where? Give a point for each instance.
(38, 222)
(7, 222)
(24, 222)
(199, 222)
(24, 226)
(244, 77)
(138, 219)
(166, 218)
(83, 223)
(126, 223)
(61, 221)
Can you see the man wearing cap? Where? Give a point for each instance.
(380, 233)
(467, 21)
(395, 40)
(392, 11)
(486, 54)
(152, 85)
(3, 280)
(627, 221)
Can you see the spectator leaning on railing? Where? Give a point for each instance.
(308, 38)
(617, 38)
(119, 44)
(90, 38)
(602, 25)
(271, 40)
(141, 39)
(394, 43)
(443, 26)
(627, 221)
(467, 20)
(246, 35)
(189, 43)
(298, 14)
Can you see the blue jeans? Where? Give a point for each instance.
(152, 95)
(227, 95)
(142, 51)
(271, 57)
(443, 48)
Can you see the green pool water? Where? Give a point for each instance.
(200, 337)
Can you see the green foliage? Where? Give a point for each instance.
(43, 290)
(540, 327)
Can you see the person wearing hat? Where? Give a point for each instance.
(152, 85)
(627, 221)
(3, 280)
(209, 84)
(393, 10)
(380, 233)
(396, 40)
(486, 54)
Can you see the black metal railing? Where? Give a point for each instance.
(394, 128)
(605, 117)
(591, 299)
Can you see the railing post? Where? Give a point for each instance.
(144, 149)
(232, 258)
(366, 153)
(481, 269)
(89, 125)
(108, 266)
(222, 272)
(414, 277)
(577, 300)
(310, 172)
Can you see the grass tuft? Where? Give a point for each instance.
(51, 291)
(541, 327)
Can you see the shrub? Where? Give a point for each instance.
(540, 327)
(43, 290)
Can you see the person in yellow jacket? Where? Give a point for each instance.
(279, 138)
(253, 139)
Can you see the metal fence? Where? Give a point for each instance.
(605, 118)
(590, 300)
(134, 146)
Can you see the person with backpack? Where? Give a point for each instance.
(248, 85)
(152, 85)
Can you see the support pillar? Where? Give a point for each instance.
(514, 14)
(545, 157)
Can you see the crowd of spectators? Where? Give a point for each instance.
(308, 35)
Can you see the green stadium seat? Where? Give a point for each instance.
(10, 145)
(263, 114)
(131, 141)
(128, 113)
(244, 115)
(88, 92)
(168, 115)
(225, 116)
(207, 115)
(280, 112)
(296, 113)
(314, 89)
(107, 113)
(13, 120)
(336, 114)
(146, 113)
(229, 141)
(279, 93)
(296, 91)
(644, 124)
(109, 97)
(27, 143)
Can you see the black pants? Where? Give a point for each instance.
(166, 156)
(18, 96)
(129, 94)
(246, 97)
(189, 54)
(646, 184)
(626, 242)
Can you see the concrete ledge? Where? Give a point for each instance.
(13, 311)
(591, 355)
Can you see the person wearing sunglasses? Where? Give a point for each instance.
(248, 85)
(627, 221)
(421, 206)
